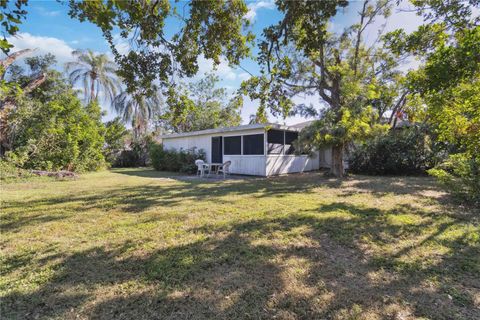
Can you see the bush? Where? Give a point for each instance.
(9, 172)
(127, 159)
(176, 161)
(60, 134)
(460, 175)
(115, 136)
(399, 152)
(136, 156)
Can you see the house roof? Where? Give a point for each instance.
(231, 129)
(302, 125)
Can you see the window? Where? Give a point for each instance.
(232, 145)
(253, 144)
(290, 136)
(275, 141)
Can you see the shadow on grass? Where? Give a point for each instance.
(245, 270)
(145, 172)
(176, 190)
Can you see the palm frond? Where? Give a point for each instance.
(89, 67)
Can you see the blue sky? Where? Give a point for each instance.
(49, 29)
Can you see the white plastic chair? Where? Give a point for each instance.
(224, 168)
(201, 167)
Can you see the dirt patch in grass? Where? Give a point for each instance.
(121, 245)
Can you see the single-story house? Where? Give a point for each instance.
(253, 149)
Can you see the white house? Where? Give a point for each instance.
(254, 149)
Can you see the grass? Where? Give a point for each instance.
(135, 244)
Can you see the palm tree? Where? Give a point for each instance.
(137, 109)
(95, 72)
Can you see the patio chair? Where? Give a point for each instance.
(224, 168)
(201, 167)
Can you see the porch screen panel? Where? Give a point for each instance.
(290, 136)
(275, 141)
(232, 145)
(253, 144)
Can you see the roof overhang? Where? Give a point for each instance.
(265, 126)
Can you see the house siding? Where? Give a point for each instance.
(199, 142)
(258, 165)
(281, 164)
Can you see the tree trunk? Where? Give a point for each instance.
(8, 104)
(337, 161)
(5, 63)
(92, 89)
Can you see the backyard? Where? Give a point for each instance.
(138, 244)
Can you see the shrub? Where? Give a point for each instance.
(9, 172)
(60, 134)
(176, 161)
(460, 175)
(399, 152)
(115, 135)
(127, 159)
(137, 155)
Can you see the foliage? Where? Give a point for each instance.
(460, 175)
(58, 134)
(10, 18)
(175, 161)
(212, 29)
(10, 172)
(137, 153)
(448, 84)
(138, 110)
(52, 85)
(351, 127)
(455, 115)
(115, 133)
(456, 118)
(400, 152)
(95, 72)
(127, 158)
(200, 105)
(353, 80)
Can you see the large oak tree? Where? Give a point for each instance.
(353, 80)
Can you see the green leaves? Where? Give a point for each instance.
(200, 105)
(446, 89)
(95, 72)
(60, 134)
(10, 17)
(353, 81)
(210, 28)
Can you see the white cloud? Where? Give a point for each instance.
(255, 6)
(47, 13)
(121, 44)
(244, 76)
(222, 70)
(24, 40)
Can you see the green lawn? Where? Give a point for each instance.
(134, 244)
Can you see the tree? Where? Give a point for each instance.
(201, 105)
(60, 134)
(448, 85)
(115, 133)
(138, 110)
(209, 28)
(10, 17)
(300, 56)
(49, 128)
(96, 72)
(17, 86)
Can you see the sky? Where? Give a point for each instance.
(49, 29)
